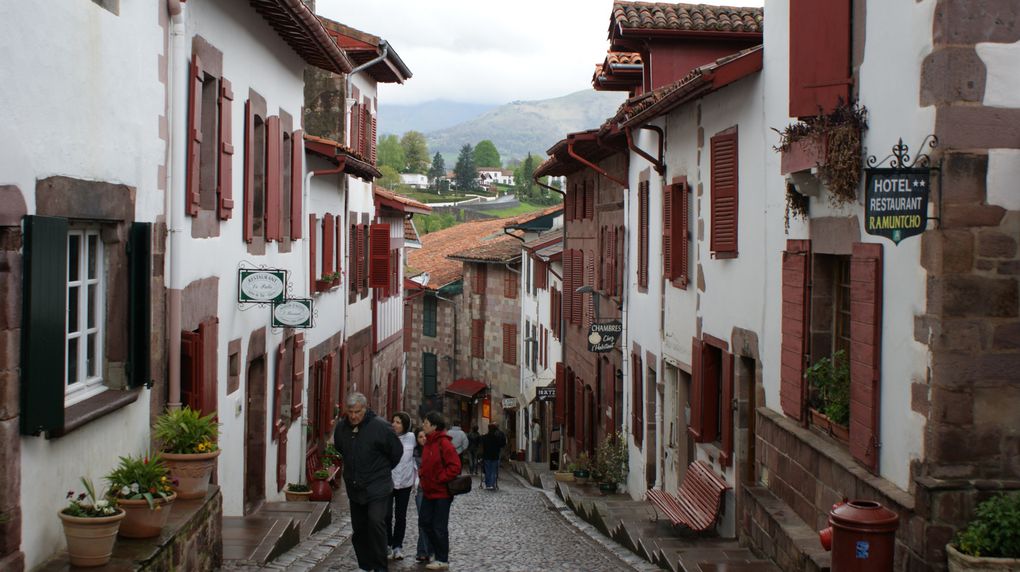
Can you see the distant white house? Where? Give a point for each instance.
(487, 177)
(415, 180)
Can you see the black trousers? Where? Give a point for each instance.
(369, 538)
(396, 516)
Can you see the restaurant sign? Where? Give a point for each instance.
(293, 313)
(602, 336)
(896, 202)
(261, 286)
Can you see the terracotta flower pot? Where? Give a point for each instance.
(192, 471)
(142, 521)
(960, 562)
(564, 476)
(293, 496)
(320, 491)
(90, 540)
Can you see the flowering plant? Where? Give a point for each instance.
(86, 505)
(186, 431)
(141, 478)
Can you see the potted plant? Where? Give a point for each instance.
(320, 490)
(327, 281)
(90, 526)
(611, 462)
(189, 446)
(296, 492)
(143, 488)
(582, 468)
(830, 379)
(991, 540)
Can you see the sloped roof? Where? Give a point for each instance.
(503, 249)
(341, 156)
(399, 202)
(410, 232)
(594, 145)
(362, 47)
(299, 27)
(437, 247)
(658, 16)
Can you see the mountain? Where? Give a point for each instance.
(428, 116)
(520, 127)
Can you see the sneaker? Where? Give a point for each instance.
(389, 552)
(438, 565)
(397, 554)
(421, 558)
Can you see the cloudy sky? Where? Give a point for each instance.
(483, 51)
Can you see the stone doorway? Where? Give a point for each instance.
(255, 436)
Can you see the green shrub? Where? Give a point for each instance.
(995, 530)
(186, 431)
(831, 377)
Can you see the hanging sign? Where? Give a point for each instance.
(293, 313)
(261, 286)
(602, 336)
(896, 202)
(509, 403)
(546, 393)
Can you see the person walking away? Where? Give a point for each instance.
(492, 443)
(460, 442)
(536, 441)
(474, 444)
(370, 450)
(440, 464)
(404, 477)
(424, 552)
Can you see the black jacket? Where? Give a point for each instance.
(369, 452)
(492, 442)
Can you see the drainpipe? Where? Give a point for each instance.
(174, 196)
(593, 166)
(350, 80)
(657, 163)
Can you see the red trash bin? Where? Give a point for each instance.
(863, 536)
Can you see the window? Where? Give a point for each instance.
(528, 345)
(724, 194)
(85, 315)
(428, 374)
(509, 284)
(255, 189)
(481, 275)
(510, 344)
(379, 243)
(642, 265)
(675, 248)
(478, 338)
(429, 307)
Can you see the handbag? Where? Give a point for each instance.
(459, 485)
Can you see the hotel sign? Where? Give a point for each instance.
(896, 202)
(293, 313)
(261, 286)
(602, 336)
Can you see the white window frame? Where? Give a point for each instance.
(85, 385)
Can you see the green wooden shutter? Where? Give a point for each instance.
(42, 331)
(139, 301)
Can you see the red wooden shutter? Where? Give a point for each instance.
(568, 279)
(408, 325)
(192, 195)
(297, 184)
(362, 131)
(278, 381)
(819, 56)
(726, 378)
(225, 168)
(724, 194)
(274, 142)
(371, 142)
(312, 244)
(568, 203)
(667, 232)
(339, 246)
(589, 201)
(559, 405)
(681, 245)
(249, 172)
(352, 271)
(281, 458)
(355, 138)
(477, 338)
(796, 267)
(510, 344)
(637, 395)
(191, 370)
(578, 281)
(297, 379)
(510, 285)
(643, 235)
(209, 331)
(696, 424)
(328, 232)
(363, 258)
(379, 272)
(865, 351)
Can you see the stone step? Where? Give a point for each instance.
(258, 539)
(310, 516)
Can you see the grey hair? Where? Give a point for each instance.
(356, 399)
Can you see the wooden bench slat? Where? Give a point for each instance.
(698, 502)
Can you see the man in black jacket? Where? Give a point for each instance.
(370, 449)
(492, 443)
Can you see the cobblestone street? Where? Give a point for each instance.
(517, 528)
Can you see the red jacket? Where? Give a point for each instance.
(440, 463)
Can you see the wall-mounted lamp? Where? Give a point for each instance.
(587, 289)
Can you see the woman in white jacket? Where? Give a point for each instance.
(404, 477)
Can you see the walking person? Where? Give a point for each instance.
(424, 552)
(440, 464)
(536, 441)
(492, 443)
(405, 475)
(370, 450)
(474, 443)
(460, 442)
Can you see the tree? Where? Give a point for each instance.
(464, 173)
(524, 182)
(486, 155)
(389, 153)
(437, 171)
(416, 152)
(390, 177)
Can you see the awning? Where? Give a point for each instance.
(466, 387)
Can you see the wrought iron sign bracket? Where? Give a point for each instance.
(900, 159)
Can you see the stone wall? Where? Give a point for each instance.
(12, 209)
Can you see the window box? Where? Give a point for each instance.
(804, 154)
(326, 284)
(822, 424)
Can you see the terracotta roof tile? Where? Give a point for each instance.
(409, 204)
(625, 58)
(686, 17)
(298, 26)
(410, 232)
(437, 247)
(354, 164)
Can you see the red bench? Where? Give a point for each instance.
(313, 463)
(697, 504)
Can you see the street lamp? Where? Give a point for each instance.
(587, 289)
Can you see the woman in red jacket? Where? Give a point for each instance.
(440, 464)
